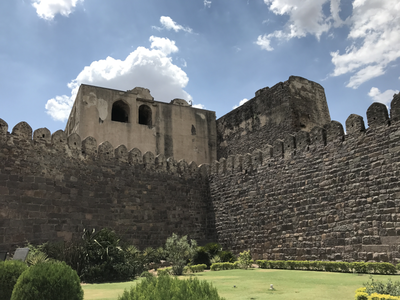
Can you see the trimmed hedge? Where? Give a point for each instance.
(329, 266)
(10, 270)
(195, 268)
(224, 266)
(48, 281)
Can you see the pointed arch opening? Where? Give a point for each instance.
(145, 115)
(120, 112)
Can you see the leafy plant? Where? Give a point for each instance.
(166, 288)
(227, 256)
(245, 260)
(37, 258)
(201, 257)
(10, 270)
(53, 280)
(215, 259)
(377, 286)
(179, 251)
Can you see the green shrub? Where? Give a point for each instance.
(146, 274)
(104, 258)
(386, 288)
(179, 251)
(48, 281)
(201, 257)
(227, 256)
(245, 260)
(213, 249)
(195, 268)
(166, 287)
(224, 266)
(165, 271)
(10, 270)
(329, 266)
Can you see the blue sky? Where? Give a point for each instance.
(217, 53)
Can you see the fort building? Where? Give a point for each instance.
(134, 119)
(284, 182)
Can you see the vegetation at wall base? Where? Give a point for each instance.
(51, 280)
(99, 256)
(166, 287)
(330, 266)
(212, 253)
(10, 270)
(179, 251)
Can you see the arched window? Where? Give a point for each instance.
(120, 112)
(145, 115)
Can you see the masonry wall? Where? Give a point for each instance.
(173, 129)
(335, 197)
(288, 107)
(54, 186)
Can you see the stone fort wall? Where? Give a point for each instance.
(54, 186)
(321, 195)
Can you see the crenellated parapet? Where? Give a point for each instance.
(73, 147)
(331, 134)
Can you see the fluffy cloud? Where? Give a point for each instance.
(47, 9)
(374, 32)
(150, 68)
(207, 3)
(385, 97)
(169, 24)
(201, 106)
(305, 17)
(241, 103)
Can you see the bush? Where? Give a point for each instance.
(377, 286)
(194, 269)
(179, 251)
(329, 266)
(166, 287)
(48, 281)
(10, 270)
(227, 256)
(104, 258)
(224, 266)
(245, 260)
(213, 249)
(201, 257)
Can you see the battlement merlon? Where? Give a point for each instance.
(295, 105)
(133, 118)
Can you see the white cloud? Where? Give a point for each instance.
(150, 68)
(374, 31)
(201, 106)
(264, 41)
(47, 9)
(385, 97)
(305, 17)
(241, 103)
(169, 24)
(165, 45)
(207, 3)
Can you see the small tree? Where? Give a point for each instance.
(179, 251)
(245, 260)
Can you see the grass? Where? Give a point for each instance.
(255, 283)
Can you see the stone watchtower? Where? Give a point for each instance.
(288, 107)
(134, 119)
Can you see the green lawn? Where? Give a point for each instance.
(254, 284)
